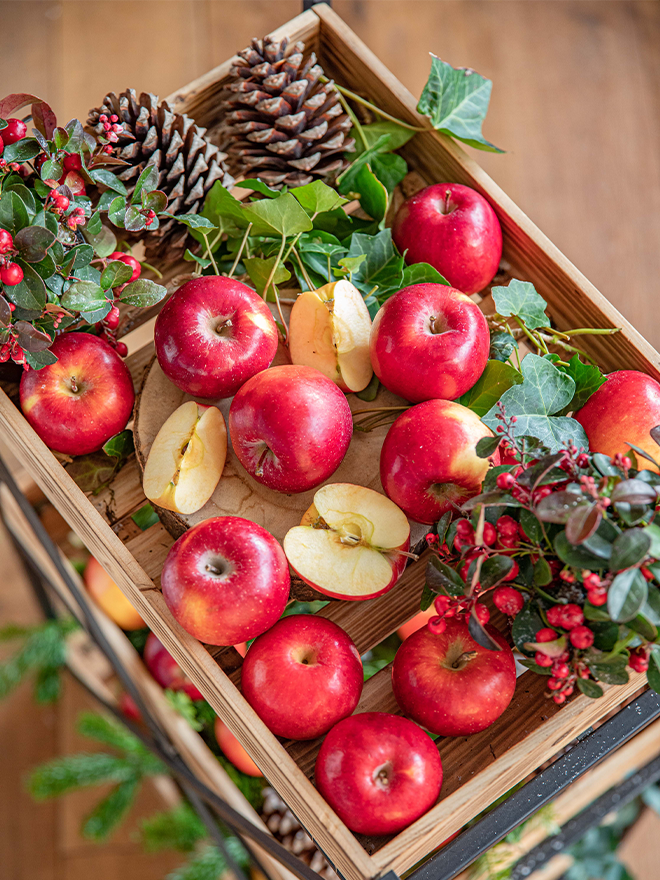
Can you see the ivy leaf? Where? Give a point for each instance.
(92, 472)
(257, 185)
(352, 264)
(13, 212)
(195, 221)
(223, 210)
(383, 265)
(422, 273)
(259, 271)
(544, 391)
(496, 378)
(143, 293)
(317, 197)
(372, 193)
(456, 101)
(189, 257)
(626, 595)
(346, 182)
(114, 274)
(588, 379)
(83, 296)
(373, 134)
(120, 446)
(520, 298)
(390, 169)
(281, 216)
(107, 178)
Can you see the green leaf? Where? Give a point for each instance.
(223, 210)
(179, 828)
(189, 257)
(256, 185)
(520, 298)
(421, 273)
(525, 626)
(155, 201)
(94, 224)
(532, 527)
(642, 626)
(352, 264)
(371, 192)
(115, 273)
(371, 391)
(346, 182)
(544, 391)
(133, 220)
(487, 446)
(143, 293)
(27, 196)
(587, 377)
(502, 345)
(107, 178)
(31, 338)
(21, 151)
(147, 182)
(589, 688)
(376, 132)
(280, 216)
(108, 814)
(145, 517)
(577, 557)
(259, 271)
(210, 864)
(626, 595)
(496, 378)
(610, 669)
(104, 242)
(92, 472)
(93, 316)
(542, 572)
(83, 296)
(33, 242)
(79, 256)
(72, 772)
(456, 101)
(383, 266)
(427, 598)
(629, 548)
(51, 170)
(120, 446)
(40, 359)
(195, 221)
(13, 212)
(30, 294)
(109, 731)
(653, 677)
(606, 633)
(442, 578)
(390, 169)
(494, 569)
(317, 197)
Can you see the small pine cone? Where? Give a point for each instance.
(281, 123)
(189, 164)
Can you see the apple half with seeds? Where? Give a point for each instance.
(329, 330)
(187, 458)
(352, 542)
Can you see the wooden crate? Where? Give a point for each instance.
(477, 769)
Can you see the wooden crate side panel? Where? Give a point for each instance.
(573, 300)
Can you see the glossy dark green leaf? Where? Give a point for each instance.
(107, 178)
(443, 578)
(147, 182)
(577, 557)
(154, 201)
(104, 242)
(480, 634)
(40, 359)
(629, 548)
(26, 195)
(371, 391)
(487, 446)
(21, 151)
(83, 296)
(642, 626)
(94, 224)
(383, 267)
(608, 669)
(422, 273)
(143, 293)
(603, 464)
(115, 273)
(30, 294)
(542, 572)
(120, 446)
(496, 378)
(525, 626)
(589, 688)
(494, 569)
(133, 220)
(653, 677)
(79, 256)
(33, 242)
(502, 345)
(606, 633)
(51, 170)
(13, 212)
(626, 595)
(587, 377)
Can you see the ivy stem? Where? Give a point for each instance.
(277, 298)
(303, 271)
(240, 252)
(208, 252)
(356, 122)
(291, 247)
(152, 269)
(360, 100)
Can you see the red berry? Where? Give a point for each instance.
(14, 132)
(546, 635)
(638, 662)
(554, 684)
(648, 574)
(568, 690)
(513, 574)
(597, 596)
(441, 604)
(137, 269)
(436, 625)
(490, 535)
(482, 613)
(561, 670)
(590, 580)
(581, 637)
(505, 481)
(506, 525)
(582, 461)
(555, 616)
(559, 699)
(121, 349)
(584, 673)
(4, 355)
(6, 241)
(11, 274)
(568, 577)
(463, 526)
(508, 601)
(72, 162)
(112, 318)
(543, 492)
(572, 615)
(542, 659)
(510, 542)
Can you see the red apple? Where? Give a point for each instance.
(164, 668)
(428, 463)
(290, 427)
(213, 334)
(454, 229)
(128, 707)
(449, 683)
(623, 411)
(302, 676)
(429, 341)
(80, 402)
(378, 772)
(234, 751)
(226, 580)
(109, 597)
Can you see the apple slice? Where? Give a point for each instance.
(329, 330)
(351, 544)
(187, 458)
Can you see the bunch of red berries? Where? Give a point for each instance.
(10, 272)
(639, 658)
(111, 126)
(459, 607)
(76, 218)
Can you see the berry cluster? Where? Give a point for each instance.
(462, 607)
(11, 273)
(112, 127)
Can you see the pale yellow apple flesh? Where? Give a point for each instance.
(343, 546)
(186, 459)
(329, 330)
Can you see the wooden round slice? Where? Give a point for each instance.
(237, 493)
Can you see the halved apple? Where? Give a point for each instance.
(352, 543)
(187, 458)
(329, 330)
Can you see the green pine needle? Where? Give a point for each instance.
(43, 652)
(210, 864)
(108, 814)
(72, 772)
(182, 703)
(179, 828)
(109, 731)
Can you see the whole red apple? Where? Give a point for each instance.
(378, 772)
(428, 462)
(212, 335)
(623, 411)
(80, 402)
(226, 580)
(429, 341)
(233, 750)
(290, 427)
(453, 228)
(164, 668)
(302, 676)
(449, 683)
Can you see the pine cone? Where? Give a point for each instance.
(189, 163)
(282, 124)
(284, 826)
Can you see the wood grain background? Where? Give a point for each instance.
(576, 103)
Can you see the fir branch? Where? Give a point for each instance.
(179, 828)
(182, 703)
(209, 863)
(109, 731)
(72, 772)
(43, 652)
(108, 814)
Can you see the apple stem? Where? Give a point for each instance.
(408, 554)
(74, 385)
(447, 197)
(259, 472)
(463, 660)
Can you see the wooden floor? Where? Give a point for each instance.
(576, 103)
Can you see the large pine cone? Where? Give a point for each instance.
(289, 832)
(188, 162)
(282, 124)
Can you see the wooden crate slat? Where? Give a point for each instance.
(124, 495)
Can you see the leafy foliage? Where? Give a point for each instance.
(179, 828)
(209, 863)
(42, 653)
